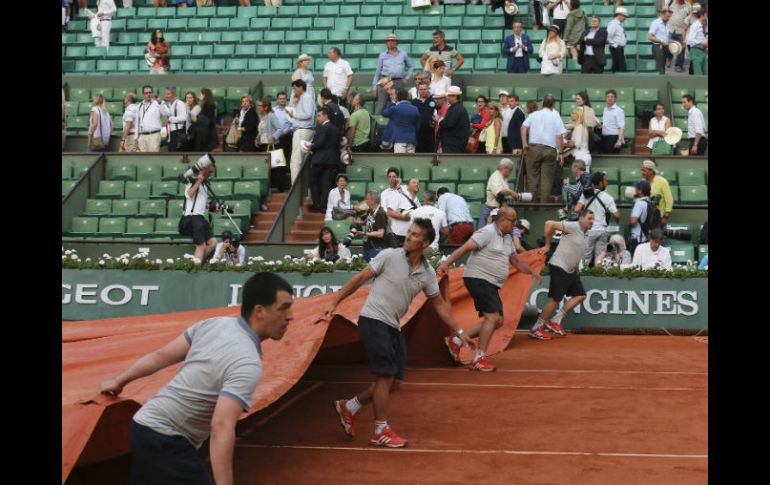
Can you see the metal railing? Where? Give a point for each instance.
(290, 208)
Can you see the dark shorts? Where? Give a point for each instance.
(201, 230)
(486, 296)
(563, 283)
(385, 347)
(159, 459)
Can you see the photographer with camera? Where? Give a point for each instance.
(376, 225)
(229, 250)
(329, 248)
(603, 206)
(582, 183)
(658, 187)
(193, 223)
(497, 190)
(615, 253)
(652, 255)
(458, 216)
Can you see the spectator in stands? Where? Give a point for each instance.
(325, 159)
(659, 36)
(230, 250)
(589, 115)
(105, 12)
(190, 101)
(522, 229)
(592, 57)
(616, 38)
(437, 217)
(493, 141)
(577, 24)
(337, 118)
(176, 111)
(696, 126)
(538, 14)
(158, 53)
(603, 206)
(454, 126)
(652, 255)
(497, 185)
(552, 52)
(614, 253)
(128, 139)
(399, 209)
(639, 214)
(579, 139)
(443, 52)
(517, 47)
(480, 120)
(282, 178)
(360, 125)
(419, 78)
(338, 76)
(248, 124)
(394, 190)
(658, 186)
(532, 107)
(442, 106)
(395, 64)
(203, 118)
(677, 27)
(458, 215)
(514, 128)
(617, 2)
(268, 128)
(405, 118)
(304, 112)
(704, 262)
(582, 180)
(339, 196)
(439, 81)
(329, 248)
(506, 112)
(697, 42)
(303, 72)
(613, 124)
(426, 106)
(147, 127)
(157, 3)
(375, 227)
(542, 137)
(274, 3)
(559, 11)
(657, 130)
(99, 126)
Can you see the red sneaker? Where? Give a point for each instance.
(482, 365)
(388, 438)
(346, 417)
(454, 349)
(540, 334)
(556, 328)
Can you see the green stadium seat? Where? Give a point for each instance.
(152, 208)
(251, 190)
(219, 24)
(692, 176)
(85, 67)
(444, 174)
(625, 95)
(281, 65)
(241, 208)
(645, 65)
(471, 192)
(84, 226)
(125, 207)
(340, 229)
(224, 50)
(700, 96)
(174, 24)
(379, 186)
(123, 171)
(628, 176)
(614, 191)
(111, 189)
(259, 65)
(470, 35)
(434, 186)
(420, 172)
(166, 226)
(97, 207)
(357, 173)
(329, 10)
(485, 64)
(649, 95)
(172, 170)
(199, 24)
(148, 171)
(153, 24)
(230, 171)
(357, 191)
(137, 190)
(139, 227)
(236, 35)
(211, 37)
(475, 208)
(139, 25)
(697, 194)
(681, 254)
(111, 226)
(66, 186)
(556, 92)
(473, 174)
(214, 65)
(166, 189)
(525, 94)
(630, 130)
(175, 208)
(66, 171)
(223, 189)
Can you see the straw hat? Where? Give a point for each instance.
(386, 82)
(440, 93)
(454, 91)
(621, 11)
(673, 135)
(674, 47)
(304, 57)
(511, 9)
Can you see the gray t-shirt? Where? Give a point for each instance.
(600, 215)
(224, 359)
(490, 261)
(395, 286)
(571, 247)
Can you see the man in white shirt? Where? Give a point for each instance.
(338, 76)
(660, 38)
(196, 203)
(613, 124)
(128, 142)
(178, 118)
(399, 209)
(651, 255)
(696, 126)
(105, 12)
(302, 121)
(603, 206)
(497, 184)
(229, 251)
(437, 217)
(616, 38)
(147, 128)
(542, 148)
(698, 43)
(507, 113)
(394, 188)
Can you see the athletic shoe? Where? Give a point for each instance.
(346, 417)
(482, 365)
(540, 334)
(388, 438)
(556, 328)
(454, 349)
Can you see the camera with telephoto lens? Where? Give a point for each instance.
(331, 257)
(678, 233)
(507, 200)
(191, 174)
(218, 205)
(348, 239)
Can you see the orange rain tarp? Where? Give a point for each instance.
(95, 427)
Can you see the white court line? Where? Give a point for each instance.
(566, 371)
(474, 452)
(529, 386)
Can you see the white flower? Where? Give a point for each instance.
(238, 264)
(101, 262)
(68, 252)
(188, 256)
(259, 258)
(63, 257)
(88, 260)
(170, 261)
(196, 260)
(287, 257)
(158, 261)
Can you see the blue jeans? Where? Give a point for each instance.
(679, 61)
(370, 253)
(483, 214)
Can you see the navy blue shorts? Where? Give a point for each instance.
(159, 459)
(201, 230)
(563, 283)
(385, 347)
(486, 296)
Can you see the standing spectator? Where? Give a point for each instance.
(441, 51)
(442, 106)
(303, 72)
(579, 140)
(517, 47)
(339, 196)
(439, 81)
(508, 19)
(677, 27)
(497, 184)
(697, 42)
(128, 141)
(304, 112)
(419, 78)
(360, 125)
(560, 9)
(589, 115)
(577, 24)
(248, 123)
(454, 126)
(190, 102)
(531, 107)
(613, 124)
(538, 14)
(658, 186)
(178, 117)
(337, 118)
(437, 217)
(458, 216)
(282, 175)
(506, 111)
(338, 76)
(400, 207)
(375, 226)
(147, 128)
(657, 130)
(268, 128)
(203, 118)
(494, 141)
(514, 128)
(392, 63)
(639, 215)
(603, 206)
(105, 12)
(158, 53)
(592, 57)
(541, 135)
(325, 159)
(659, 36)
(553, 51)
(616, 38)
(157, 3)
(394, 190)
(427, 107)
(652, 255)
(480, 120)
(405, 118)
(99, 125)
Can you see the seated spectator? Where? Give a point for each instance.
(651, 255)
(329, 249)
(158, 53)
(658, 126)
(229, 251)
(458, 215)
(339, 196)
(615, 253)
(552, 51)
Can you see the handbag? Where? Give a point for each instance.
(473, 145)
(97, 143)
(277, 157)
(233, 135)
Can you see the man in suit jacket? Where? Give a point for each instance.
(517, 48)
(514, 127)
(325, 158)
(405, 118)
(592, 58)
(455, 126)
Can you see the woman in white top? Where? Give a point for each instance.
(99, 125)
(589, 115)
(339, 196)
(303, 72)
(579, 140)
(553, 50)
(560, 11)
(439, 81)
(329, 249)
(658, 126)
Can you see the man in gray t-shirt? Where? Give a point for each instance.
(563, 268)
(215, 384)
(399, 275)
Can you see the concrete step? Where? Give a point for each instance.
(256, 235)
(265, 225)
(304, 234)
(301, 239)
(304, 225)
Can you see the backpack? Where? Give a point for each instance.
(376, 132)
(653, 218)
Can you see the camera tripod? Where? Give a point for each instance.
(223, 208)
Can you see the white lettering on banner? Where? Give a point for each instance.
(666, 300)
(83, 291)
(691, 304)
(616, 302)
(80, 293)
(145, 290)
(643, 305)
(66, 298)
(235, 290)
(299, 291)
(126, 295)
(603, 303)
(636, 302)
